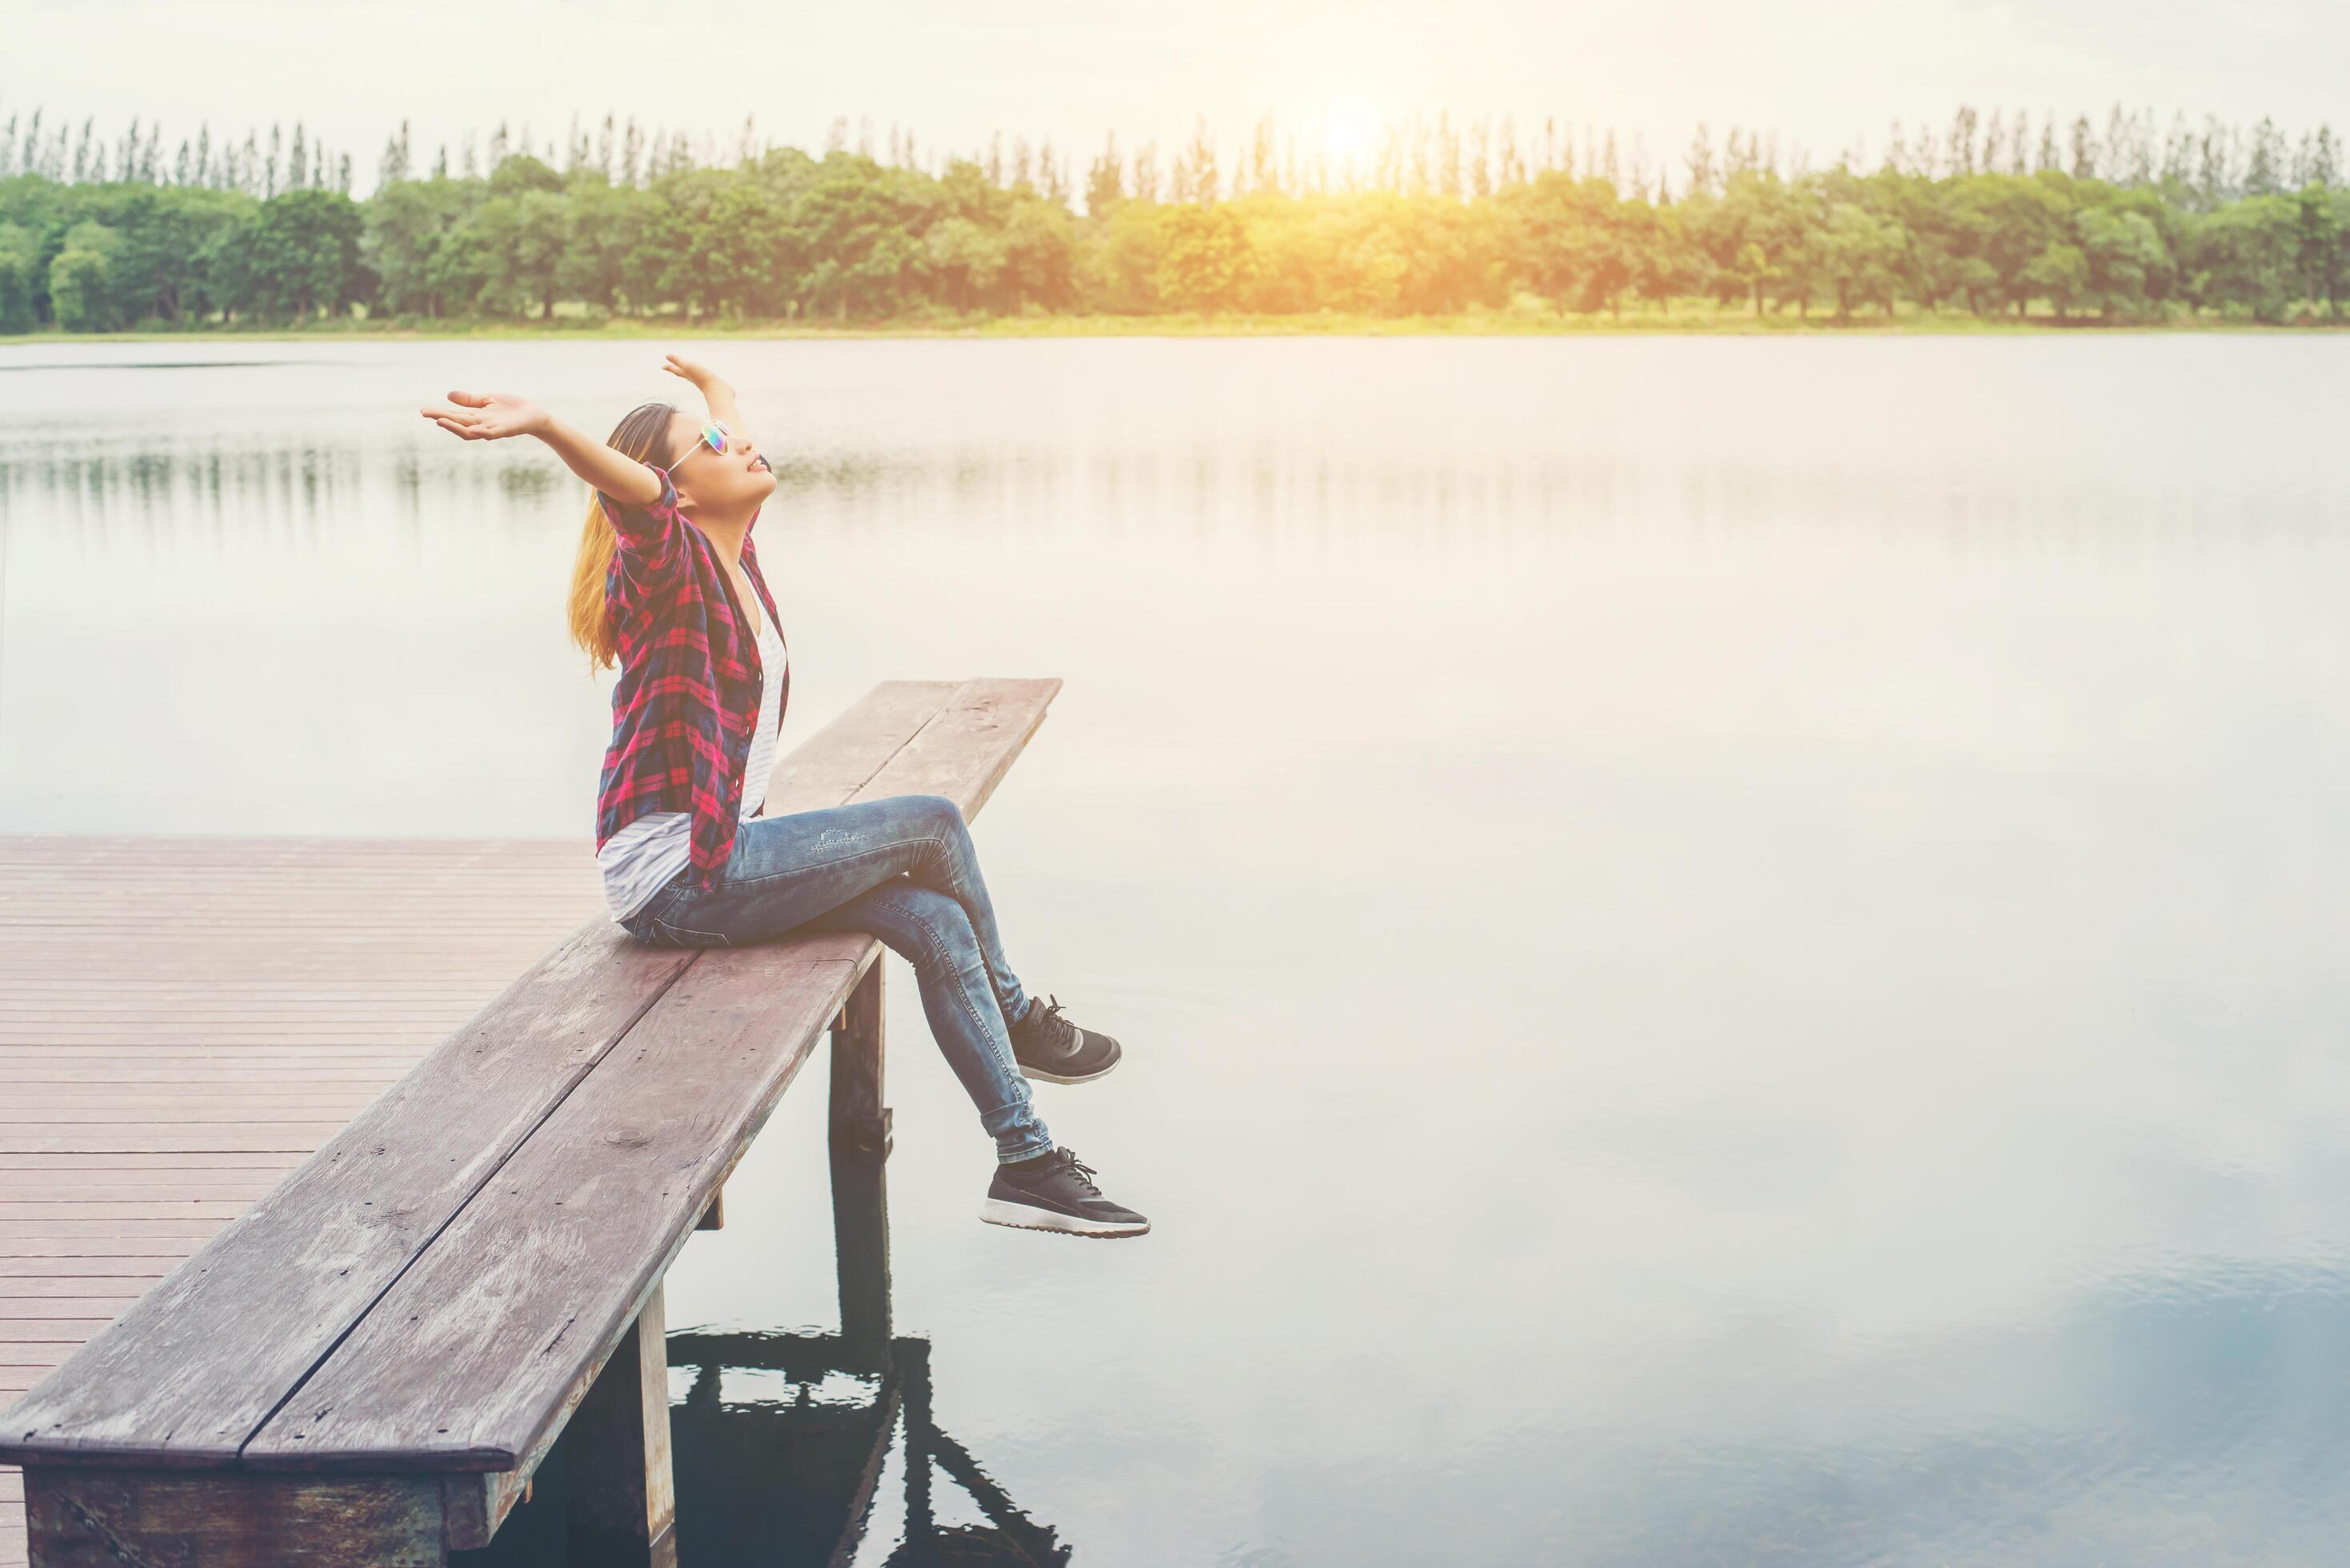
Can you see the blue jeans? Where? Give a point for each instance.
(904, 869)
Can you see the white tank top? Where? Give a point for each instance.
(639, 859)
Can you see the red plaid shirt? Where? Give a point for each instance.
(688, 691)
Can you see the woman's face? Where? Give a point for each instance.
(719, 480)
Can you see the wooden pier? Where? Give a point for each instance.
(184, 1020)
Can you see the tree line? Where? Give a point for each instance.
(2124, 222)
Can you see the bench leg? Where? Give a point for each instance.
(96, 1518)
(860, 1123)
(860, 1145)
(623, 1506)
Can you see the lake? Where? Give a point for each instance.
(1727, 947)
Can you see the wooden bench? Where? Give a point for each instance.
(367, 1366)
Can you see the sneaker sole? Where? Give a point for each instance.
(1038, 1075)
(1024, 1216)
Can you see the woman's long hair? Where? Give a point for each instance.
(642, 434)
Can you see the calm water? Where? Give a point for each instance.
(1729, 950)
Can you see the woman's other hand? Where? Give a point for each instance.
(488, 416)
(717, 392)
(701, 375)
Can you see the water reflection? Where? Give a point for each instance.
(782, 1442)
(798, 1451)
(228, 492)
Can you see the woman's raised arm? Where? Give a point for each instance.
(717, 392)
(494, 416)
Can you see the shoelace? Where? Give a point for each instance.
(1084, 1173)
(1052, 1026)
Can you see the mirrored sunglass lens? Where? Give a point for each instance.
(716, 436)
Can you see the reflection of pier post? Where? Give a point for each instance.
(913, 1363)
(776, 1476)
(861, 1140)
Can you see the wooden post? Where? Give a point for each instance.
(622, 1504)
(859, 1121)
(860, 1138)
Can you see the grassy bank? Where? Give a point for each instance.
(1680, 318)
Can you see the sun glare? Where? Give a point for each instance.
(1350, 129)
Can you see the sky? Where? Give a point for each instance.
(1827, 75)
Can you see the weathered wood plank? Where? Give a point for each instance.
(90, 1209)
(77, 1283)
(474, 1357)
(41, 1252)
(842, 758)
(18, 1234)
(54, 1188)
(84, 1518)
(89, 1301)
(258, 1140)
(964, 751)
(187, 1374)
(29, 1333)
(145, 1161)
(168, 1008)
(104, 1239)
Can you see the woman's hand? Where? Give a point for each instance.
(717, 392)
(703, 377)
(489, 416)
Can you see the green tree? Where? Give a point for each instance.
(1858, 255)
(302, 256)
(1205, 258)
(966, 260)
(2127, 264)
(2246, 257)
(2013, 221)
(2060, 272)
(542, 240)
(406, 227)
(20, 255)
(600, 223)
(81, 279)
(1751, 234)
(2324, 244)
(1581, 248)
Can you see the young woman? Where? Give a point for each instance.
(666, 586)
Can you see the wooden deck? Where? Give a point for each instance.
(182, 1021)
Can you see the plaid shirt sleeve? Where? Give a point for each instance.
(652, 549)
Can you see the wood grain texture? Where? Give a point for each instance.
(189, 1372)
(841, 759)
(206, 948)
(497, 1331)
(79, 1518)
(966, 748)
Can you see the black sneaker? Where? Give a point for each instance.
(1048, 1046)
(1058, 1195)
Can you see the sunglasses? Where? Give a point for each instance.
(713, 434)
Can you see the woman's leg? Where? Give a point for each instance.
(785, 870)
(934, 934)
